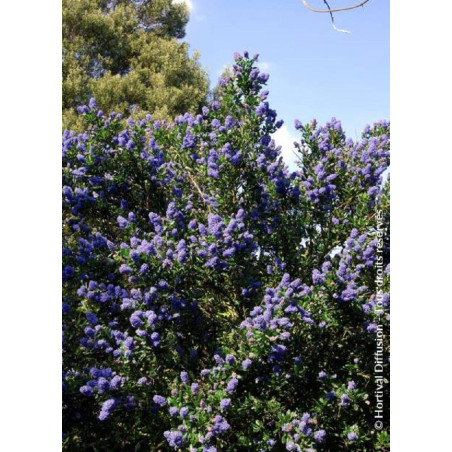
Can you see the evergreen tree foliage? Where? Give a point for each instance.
(128, 55)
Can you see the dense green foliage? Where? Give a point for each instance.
(126, 54)
(214, 300)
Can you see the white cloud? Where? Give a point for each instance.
(264, 65)
(189, 3)
(285, 139)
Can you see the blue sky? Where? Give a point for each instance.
(315, 72)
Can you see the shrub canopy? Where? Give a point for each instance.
(214, 299)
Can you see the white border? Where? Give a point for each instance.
(421, 249)
(30, 226)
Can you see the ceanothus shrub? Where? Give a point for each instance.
(214, 300)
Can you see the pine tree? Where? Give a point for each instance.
(128, 55)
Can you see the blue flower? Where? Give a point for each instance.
(317, 277)
(225, 404)
(189, 141)
(136, 320)
(319, 436)
(87, 390)
(159, 400)
(229, 252)
(175, 439)
(352, 436)
(232, 385)
(103, 385)
(107, 408)
(345, 400)
(123, 223)
(230, 359)
(331, 395)
(184, 377)
(115, 382)
(125, 269)
(92, 318)
(373, 191)
(68, 272)
(220, 425)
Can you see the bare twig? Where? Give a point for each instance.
(332, 19)
(331, 11)
(335, 10)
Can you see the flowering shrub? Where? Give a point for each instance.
(214, 300)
